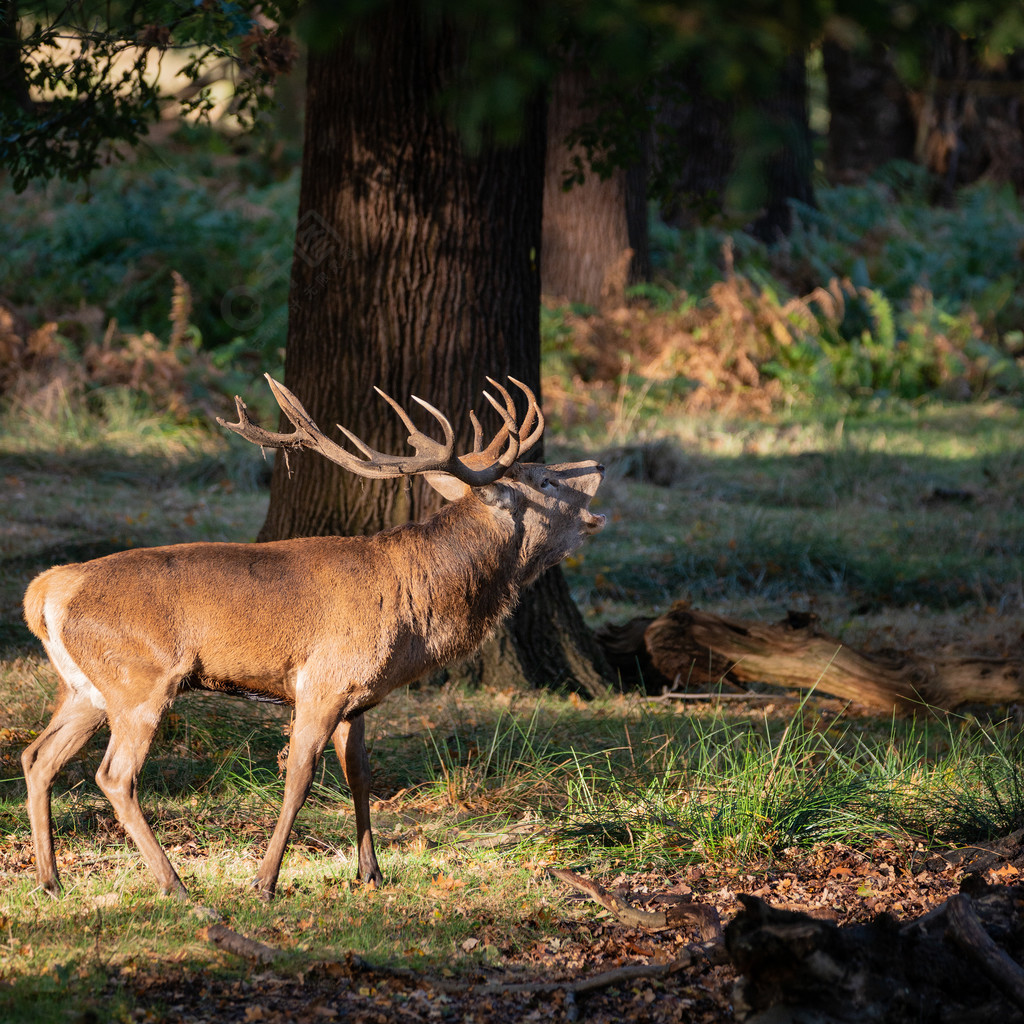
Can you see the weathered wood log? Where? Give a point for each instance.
(690, 648)
(967, 932)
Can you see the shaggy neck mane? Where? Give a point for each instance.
(463, 558)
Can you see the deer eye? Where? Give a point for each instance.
(547, 484)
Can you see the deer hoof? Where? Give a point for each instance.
(264, 891)
(52, 889)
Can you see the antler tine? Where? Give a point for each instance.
(306, 434)
(364, 448)
(478, 433)
(430, 454)
(402, 414)
(449, 434)
(510, 430)
(245, 428)
(533, 422)
(510, 404)
(499, 439)
(313, 438)
(305, 429)
(533, 433)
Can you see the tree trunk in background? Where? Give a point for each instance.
(637, 231)
(695, 150)
(720, 155)
(414, 269)
(970, 117)
(871, 121)
(964, 124)
(589, 228)
(13, 87)
(786, 160)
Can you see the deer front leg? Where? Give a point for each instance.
(311, 730)
(74, 722)
(350, 743)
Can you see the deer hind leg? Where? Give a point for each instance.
(131, 732)
(350, 743)
(311, 730)
(74, 722)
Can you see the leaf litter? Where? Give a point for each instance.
(690, 980)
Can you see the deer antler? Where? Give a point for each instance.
(431, 455)
(532, 421)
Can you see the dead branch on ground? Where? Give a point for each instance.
(249, 949)
(680, 915)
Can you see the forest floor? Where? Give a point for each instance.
(694, 982)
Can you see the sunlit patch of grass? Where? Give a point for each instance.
(476, 790)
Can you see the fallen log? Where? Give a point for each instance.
(967, 932)
(689, 649)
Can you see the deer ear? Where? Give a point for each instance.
(496, 495)
(447, 486)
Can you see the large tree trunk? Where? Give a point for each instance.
(870, 120)
(786, 160)
(595, 234)
(415, 269)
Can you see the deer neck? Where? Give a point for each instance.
(458, 575)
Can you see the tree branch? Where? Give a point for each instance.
(967, 932)
(699, 915)
(225, 938)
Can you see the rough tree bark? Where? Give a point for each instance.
(414, 269)
(595, 234)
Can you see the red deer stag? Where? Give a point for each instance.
(330, 625)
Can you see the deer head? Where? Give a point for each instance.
(549, 504)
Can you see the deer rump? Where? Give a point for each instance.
(328, 624)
